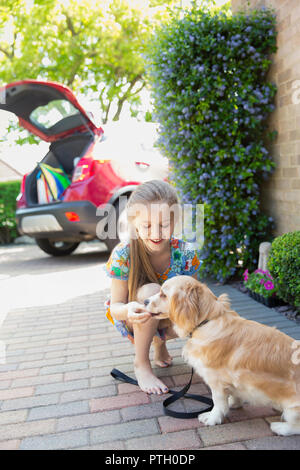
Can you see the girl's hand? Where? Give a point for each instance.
(137, 313)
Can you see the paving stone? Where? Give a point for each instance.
(175, 440)
(31, 402)
(76, 366)
(8, 417)
(66, 440)
(234, 446)
(88, 393)
(169, 424)
(20, 430)
(132, 429)
(87, 373)
(89, 420)
(9, 394)
(18, 374)
(5, 384)
(101, 381)
(184, 379)
(38, 380)
(119, 401)
(13, 444)
(250, 412)
(62, 387)
(114, 445)
(67, 354)
(151, 410)
(53, 411)
(232, 432)
(8, 366)
(41, 364)
(18, 359)
(274, 443)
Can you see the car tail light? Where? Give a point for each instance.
(22, 190)
(83, 170)
(72, 216)
(21, 202)
(142, 165)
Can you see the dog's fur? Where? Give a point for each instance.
(240, 360)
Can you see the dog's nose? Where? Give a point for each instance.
(146, 301)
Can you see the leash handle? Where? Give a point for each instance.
(175, 395)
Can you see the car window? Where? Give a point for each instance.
(50, 114)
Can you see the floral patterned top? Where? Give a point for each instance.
(184, 260)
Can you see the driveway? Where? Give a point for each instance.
(56, 391)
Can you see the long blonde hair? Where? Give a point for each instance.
(141, 270)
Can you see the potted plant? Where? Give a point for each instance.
(261, 287)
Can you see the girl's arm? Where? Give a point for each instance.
(118, 299)
(118, 303)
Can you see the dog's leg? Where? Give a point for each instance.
(220, 409)
(234, 402)
(292, 424)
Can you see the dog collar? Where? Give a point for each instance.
(198, 326)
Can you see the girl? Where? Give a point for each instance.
(138, 266)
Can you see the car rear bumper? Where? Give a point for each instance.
(50, 221)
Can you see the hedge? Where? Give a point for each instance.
(8, 228)
(211, 98)
(284, 265)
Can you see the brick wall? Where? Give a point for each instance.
(281, 193)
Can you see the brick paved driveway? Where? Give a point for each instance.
(55, 388)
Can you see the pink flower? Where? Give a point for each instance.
(261, 281)
(269, 285)
(259, 271)
(245, 275)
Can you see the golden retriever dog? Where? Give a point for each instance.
(240, 360)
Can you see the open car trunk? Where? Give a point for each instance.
(61, 154)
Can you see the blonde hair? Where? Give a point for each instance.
(141, 270)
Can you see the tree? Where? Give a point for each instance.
(92, 46)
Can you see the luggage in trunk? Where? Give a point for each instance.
(61, 155)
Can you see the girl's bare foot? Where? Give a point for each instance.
(147, 381)
(162, 357)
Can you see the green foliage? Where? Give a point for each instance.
(284, 265)
(208, 75)
(8, 193)
(93, 46)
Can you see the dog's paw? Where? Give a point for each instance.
(282, 429)
(210, 418)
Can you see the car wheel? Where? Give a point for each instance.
(121, 219)
(56, 248)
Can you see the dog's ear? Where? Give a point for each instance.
(224, 302)
(185, 305)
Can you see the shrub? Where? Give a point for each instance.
(8, 228)
(211, 99)
(284, 266)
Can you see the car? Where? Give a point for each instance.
(102, 171)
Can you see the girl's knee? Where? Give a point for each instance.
(146, 291)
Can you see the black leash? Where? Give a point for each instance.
(117, 374)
